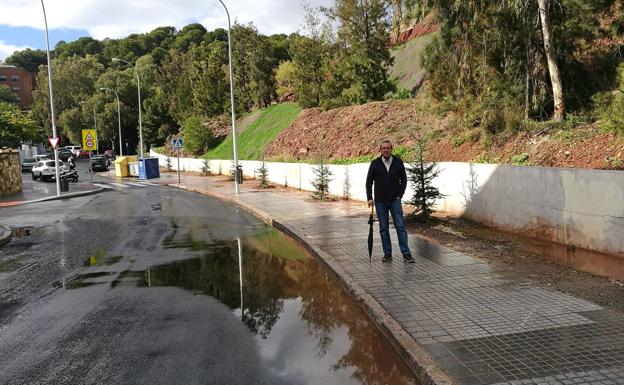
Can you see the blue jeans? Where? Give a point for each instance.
(396, 211)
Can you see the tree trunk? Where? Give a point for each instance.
(527, 81)
(553, 68)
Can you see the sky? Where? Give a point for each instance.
(22, 23)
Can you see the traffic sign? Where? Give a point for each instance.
(176, 143)
(89, 140)
(54, 142)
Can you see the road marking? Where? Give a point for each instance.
(102, 185)
(136, 184)
(118, 184)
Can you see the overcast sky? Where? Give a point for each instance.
(21, 21)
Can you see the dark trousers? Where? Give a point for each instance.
(396, 211)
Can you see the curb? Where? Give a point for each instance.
(5, 235)
(66, 196)
(421, 363)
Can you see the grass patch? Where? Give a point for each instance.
(258, 135)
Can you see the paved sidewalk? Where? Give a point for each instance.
(479, 325)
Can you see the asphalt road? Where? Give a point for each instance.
(51, 333)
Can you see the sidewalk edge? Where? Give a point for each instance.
(415, 356)
(66, 196)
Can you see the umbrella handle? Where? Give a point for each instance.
(372, 213)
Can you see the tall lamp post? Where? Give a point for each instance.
(56, 158)
(118, 116)
(232, 98)
(136, 72)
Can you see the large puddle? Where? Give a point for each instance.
(308, 330)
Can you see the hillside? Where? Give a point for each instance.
(353, 133)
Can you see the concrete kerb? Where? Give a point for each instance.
(415, 356)
(66, 196)
(5, 235)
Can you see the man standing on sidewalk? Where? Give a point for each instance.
(388, 175)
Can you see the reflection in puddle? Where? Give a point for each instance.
(307, 328)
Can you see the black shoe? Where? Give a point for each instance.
(407, 258)
(387, 258)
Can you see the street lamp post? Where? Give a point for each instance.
(56, 157)
(118, 116)
(232, 99)
(136, 72)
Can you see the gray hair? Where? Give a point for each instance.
(386, 141)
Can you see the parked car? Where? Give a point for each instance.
(74, 149)
(45, 170)
(27, 164)
(39, 158)
(98, 163)
(64, 154)
(83, 154)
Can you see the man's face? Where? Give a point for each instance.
(386, 150)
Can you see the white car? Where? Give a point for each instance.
(75, 150)
(45, 170)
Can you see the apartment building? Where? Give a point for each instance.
(20, 81)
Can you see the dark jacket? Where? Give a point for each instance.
(388, 185)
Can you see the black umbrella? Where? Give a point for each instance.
(371, 220)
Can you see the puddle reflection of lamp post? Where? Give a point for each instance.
(240, 273)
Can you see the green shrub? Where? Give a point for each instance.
(457, 141)
(520, 159)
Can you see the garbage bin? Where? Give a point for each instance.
(64, 185)
(149, 168)
(239, 174)
(122, 165)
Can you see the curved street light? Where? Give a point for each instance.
(232, 99)
(136, 72)
(56, 158)
(118, 116)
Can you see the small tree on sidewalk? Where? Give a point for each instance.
(422, 174)
(205, 166)
(262, 174)
(346, 188)
(168, 163)
(323, 175)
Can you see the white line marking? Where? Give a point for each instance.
(136, 184)
(102, 185)
(119, 185)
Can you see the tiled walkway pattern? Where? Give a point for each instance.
(482, 326)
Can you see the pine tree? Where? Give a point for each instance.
(263, 176)
(323, 176)
(422, 174)
(205, 166)
(346, 188)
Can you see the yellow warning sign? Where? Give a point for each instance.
(89, 140)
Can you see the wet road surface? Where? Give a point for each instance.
(143, 286)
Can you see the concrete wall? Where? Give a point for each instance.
(576, 207)
(10, 172)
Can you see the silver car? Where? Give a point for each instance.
(27, 164)
(45, 170)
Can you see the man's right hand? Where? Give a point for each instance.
(370, 203)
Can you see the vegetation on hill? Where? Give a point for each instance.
(494, 72)
(253, 140)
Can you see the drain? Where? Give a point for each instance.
(21, 232)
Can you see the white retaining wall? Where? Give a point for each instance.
(579, 207)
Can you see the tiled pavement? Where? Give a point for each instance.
(479, 324)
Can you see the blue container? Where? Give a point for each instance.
(148, 168)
